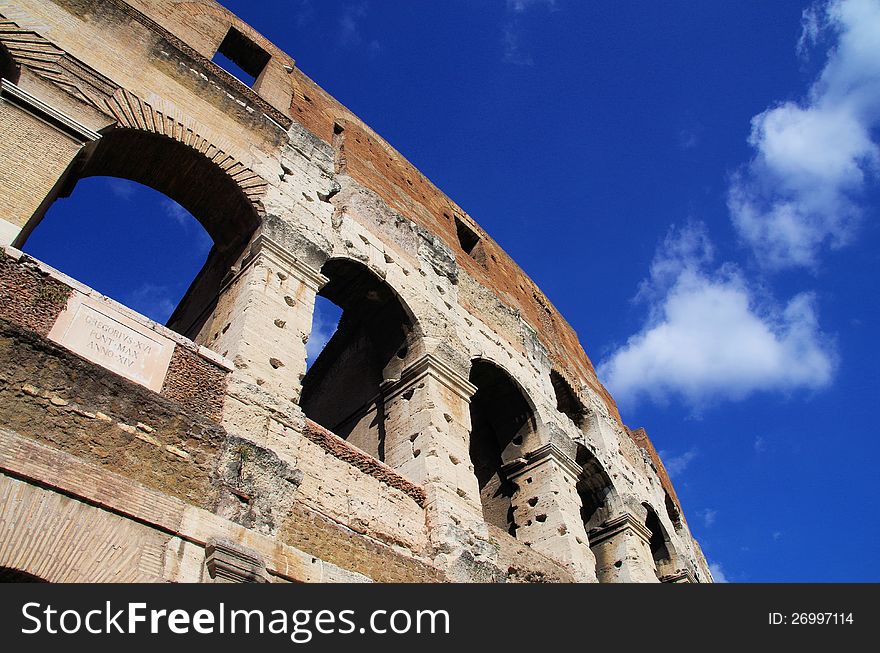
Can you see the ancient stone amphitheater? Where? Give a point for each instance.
(453, 429)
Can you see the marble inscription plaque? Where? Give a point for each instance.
(100, 334)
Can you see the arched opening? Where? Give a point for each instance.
(89, 236)
(567, 401)
(594, 489)
(10, 575)
(672, 511)
(659, 543)
(342, 390)
(195, 184)
(501, 421)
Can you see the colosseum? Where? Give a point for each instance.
(452, 430)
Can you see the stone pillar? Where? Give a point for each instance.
(428, 425)
(262, 322)
(622, 550)
(547, 509)
(37, 145)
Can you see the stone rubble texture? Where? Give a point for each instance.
(373, 465)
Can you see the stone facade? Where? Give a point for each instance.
(453, 429)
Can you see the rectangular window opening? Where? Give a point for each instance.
(241, 57)
(467, 238)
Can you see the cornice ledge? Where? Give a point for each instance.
(271, 249)
(48, 114)
(430, 365)
(616, 526)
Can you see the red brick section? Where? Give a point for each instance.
(29, 297)
(376, 165)
(339, 448)
(640, 437)
(195, 383)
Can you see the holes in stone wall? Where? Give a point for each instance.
(241, 57)
(500, 417)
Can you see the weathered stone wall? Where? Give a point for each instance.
(301, 198)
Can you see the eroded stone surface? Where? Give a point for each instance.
(452, 429)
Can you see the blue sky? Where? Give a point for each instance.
(695, 187)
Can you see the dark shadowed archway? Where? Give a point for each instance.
(502, 419)
(342, 390)
(659, 543)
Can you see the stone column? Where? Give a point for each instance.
(428, 425)
(262, 322)
(547, 509)
(623, 552)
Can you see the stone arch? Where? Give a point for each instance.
(595, 488)
(503, 421)
(172, 156)
(131, 112)
(662, 550)
(377, 333)
(672, 510)
(567, 401)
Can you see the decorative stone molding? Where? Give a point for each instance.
(546, 453)
(282, 258)
(681, 576)
(228, 562)
(50, 115)
(54, 65)
(616, 526)
(429, 365)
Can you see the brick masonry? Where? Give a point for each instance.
(285, 179)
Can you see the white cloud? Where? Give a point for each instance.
(511, 36)
(709, 516)
(710, 337)
(200, 242)
(675, 465)
(813, 158)
(760, 445)
(811, 26)
(513, 51)
(519, 6)
(350, 34)
(177, 212)
(154, 301)
(718, 573)
(121, 188)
